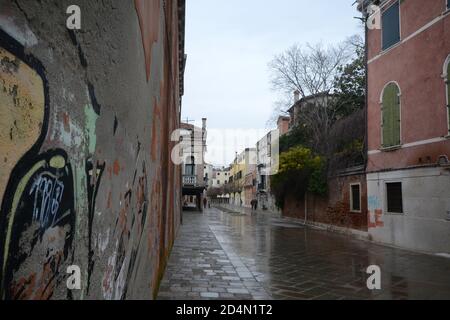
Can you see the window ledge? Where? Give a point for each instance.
(392, 148)
(397, 44)
(354, 211)
(395, 213)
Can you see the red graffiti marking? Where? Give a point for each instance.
(116, 168)
(378, 223)
(66, 122)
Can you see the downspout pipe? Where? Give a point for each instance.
(366, 64)
(306, 207)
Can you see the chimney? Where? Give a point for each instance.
(204, 134)
(283, 125)
(296, 96)
(204, 124)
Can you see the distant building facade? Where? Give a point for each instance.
(322, 98)
(267, 157)
(208, 170)
(220, 177)
(243, 164)
(193, 141)
(250, 187)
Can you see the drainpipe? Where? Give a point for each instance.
(366, 58)
(306, 207)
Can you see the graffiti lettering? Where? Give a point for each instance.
(48, 192)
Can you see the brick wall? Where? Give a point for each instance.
(333, 209)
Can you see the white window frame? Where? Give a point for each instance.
(384, 9)
(446, 76)
(386, 198)
(351, 198)
(381, 118)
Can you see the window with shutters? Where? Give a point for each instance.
(394, 197)
(391, 116)
(390, 20)
(355, 197)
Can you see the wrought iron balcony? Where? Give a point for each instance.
(189, 180)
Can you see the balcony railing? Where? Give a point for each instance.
(189, 180)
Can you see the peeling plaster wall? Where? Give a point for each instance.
(85, 122)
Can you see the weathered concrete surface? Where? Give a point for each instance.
(85, 176)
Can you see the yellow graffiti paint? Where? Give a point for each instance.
(57, 162)
(22, 109)
(19, 191)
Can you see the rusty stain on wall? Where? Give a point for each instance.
(148, 12)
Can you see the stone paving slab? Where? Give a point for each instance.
(218, 255)
(200, 269)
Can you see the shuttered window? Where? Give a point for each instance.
(391, 116)
(390, 20)
(394, 197)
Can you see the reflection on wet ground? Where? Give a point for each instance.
(261, 256)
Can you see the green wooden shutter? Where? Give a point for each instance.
(391, 116)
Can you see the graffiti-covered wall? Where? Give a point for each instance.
(85, 123)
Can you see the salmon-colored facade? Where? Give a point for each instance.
(417, 64)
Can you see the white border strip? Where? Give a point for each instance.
(413, 144)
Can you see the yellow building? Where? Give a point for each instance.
(243, 164)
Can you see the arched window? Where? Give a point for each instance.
(390, 102)
(447, 84)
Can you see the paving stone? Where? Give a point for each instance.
(229, 257)
(209, 294)
(238, 291)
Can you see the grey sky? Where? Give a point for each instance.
(229, 44)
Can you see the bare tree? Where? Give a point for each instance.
(312, 70)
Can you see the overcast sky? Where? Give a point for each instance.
(229, 44)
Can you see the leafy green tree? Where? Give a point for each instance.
(350, 84)
(299, 171)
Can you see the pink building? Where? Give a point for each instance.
(408, 172)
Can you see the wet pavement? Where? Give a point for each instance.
(222, 254)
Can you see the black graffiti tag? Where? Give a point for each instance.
(48, 192)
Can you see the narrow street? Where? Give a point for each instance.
(221, 254)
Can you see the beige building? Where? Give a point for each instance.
(220, 177)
